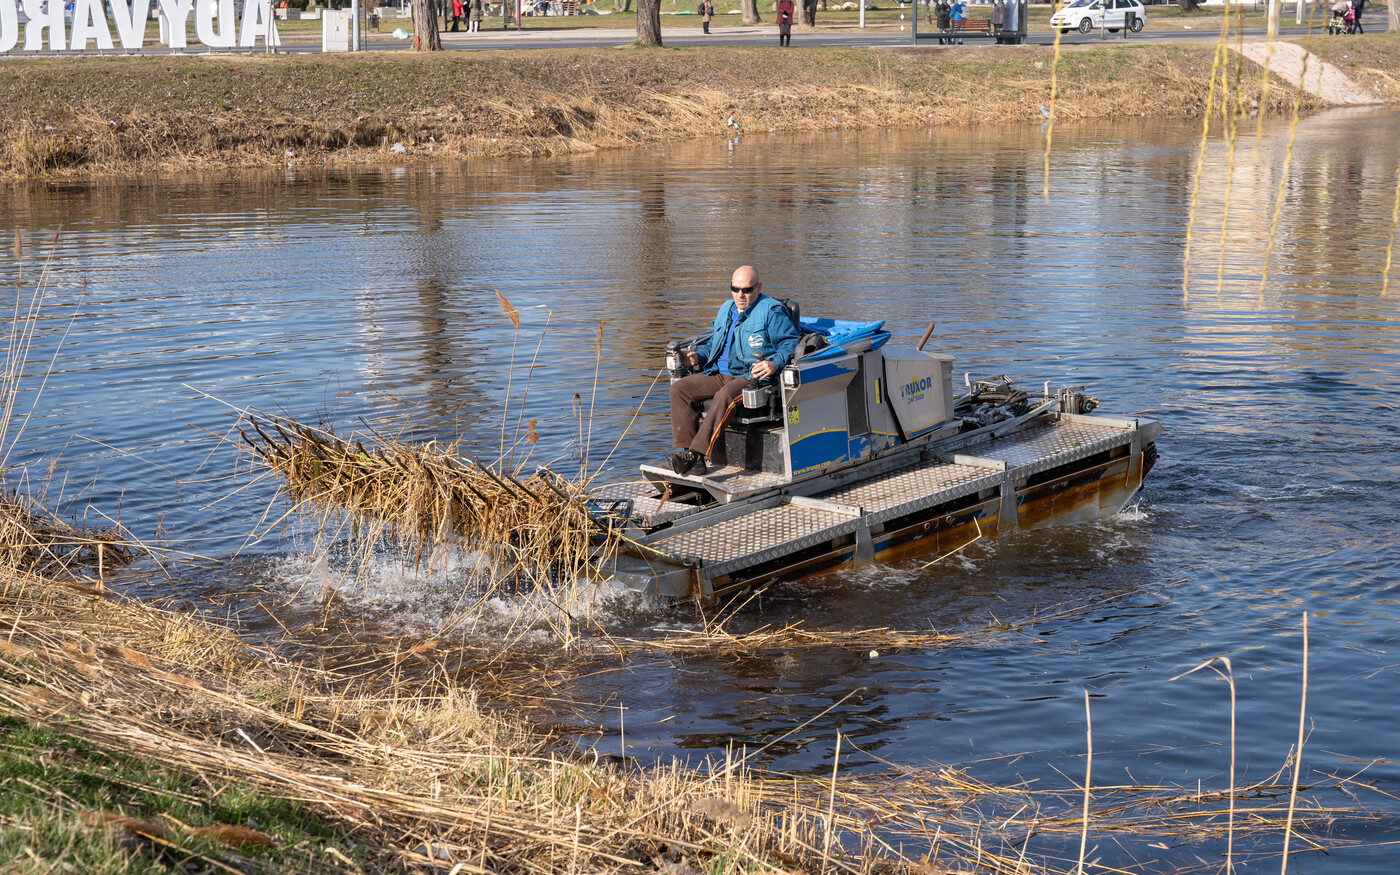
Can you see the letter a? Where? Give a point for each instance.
(258, 23)
(89, 22)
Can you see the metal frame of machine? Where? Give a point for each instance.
(862, 454)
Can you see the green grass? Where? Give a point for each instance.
(49, 780)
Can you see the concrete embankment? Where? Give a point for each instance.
(97, 115)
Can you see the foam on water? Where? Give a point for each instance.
(454, 590)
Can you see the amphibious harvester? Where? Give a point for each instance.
(861, 453)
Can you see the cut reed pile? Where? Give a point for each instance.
(33, 539)
(535, 524)
(419, 777)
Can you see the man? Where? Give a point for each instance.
(751, 341)
(1356, 7)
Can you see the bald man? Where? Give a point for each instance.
(751, 341)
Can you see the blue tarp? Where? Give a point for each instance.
(840, 333)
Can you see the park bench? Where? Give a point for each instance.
(974, 27)
(971, 27)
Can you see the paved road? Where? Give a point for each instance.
(1206, 31)
(721, 36)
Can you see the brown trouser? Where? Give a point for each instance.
(687, 394)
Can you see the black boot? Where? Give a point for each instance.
(686, 461)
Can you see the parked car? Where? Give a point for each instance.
(1090, 15)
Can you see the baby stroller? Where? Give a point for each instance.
(1343, 18)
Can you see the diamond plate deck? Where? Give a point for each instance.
(1044, 445)
(911, 488)
(752, 538)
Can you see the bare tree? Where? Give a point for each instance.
(649, 22)
(425, 29)
(1188, 6)
(749, 8)
(1394, 14)
(626, 6)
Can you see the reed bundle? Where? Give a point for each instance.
(538, 524)
(34, 539)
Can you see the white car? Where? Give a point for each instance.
(1090, 15)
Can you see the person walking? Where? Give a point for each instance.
(707, 11)
(1356, 7)
(785, 12)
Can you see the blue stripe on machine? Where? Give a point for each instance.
(827, 371)
(928, 428)
(818, 449)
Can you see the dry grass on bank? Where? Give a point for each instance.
(395, 773)
(74, 116)
(1371, 61)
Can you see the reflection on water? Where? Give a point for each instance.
(372, 295)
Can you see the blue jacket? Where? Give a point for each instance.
(765, 327)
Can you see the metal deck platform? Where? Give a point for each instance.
(726, 541)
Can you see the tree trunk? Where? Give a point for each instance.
(807, 12)
(425, 29)
(1188, 6)
(649, 22)
(749, 8)
(1394, 14)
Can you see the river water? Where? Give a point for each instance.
(369, 296)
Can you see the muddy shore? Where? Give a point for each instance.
(103, 115)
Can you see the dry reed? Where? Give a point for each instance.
(33, 539)
(416, 770)
(538, 525)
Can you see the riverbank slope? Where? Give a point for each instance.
(97, 115)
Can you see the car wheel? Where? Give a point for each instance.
(1137, 25)
(1086, 26)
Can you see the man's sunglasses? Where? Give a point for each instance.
(742, 290)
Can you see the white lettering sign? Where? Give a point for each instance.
(44, 16)
(131, 21)
(258, 21)
(9, 25)
(206, 13)
(217, 24)
(176, 13)
(89, 22)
